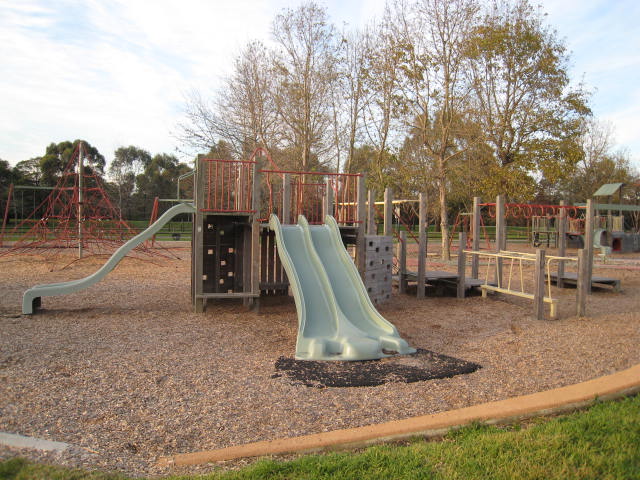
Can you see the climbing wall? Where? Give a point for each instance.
(223, 241)
(377, 273)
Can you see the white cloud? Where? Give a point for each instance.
(115, 71)
(116, 76)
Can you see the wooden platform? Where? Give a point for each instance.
(440, 278)
(571, 279)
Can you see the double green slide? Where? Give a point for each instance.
(336, 319)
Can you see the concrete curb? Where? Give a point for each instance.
(558, 400)
(19, 441)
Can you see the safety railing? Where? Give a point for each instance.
(291, 193)
(228, 185)
(228, 188)
(542, 278)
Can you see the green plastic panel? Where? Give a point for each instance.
(336, 319)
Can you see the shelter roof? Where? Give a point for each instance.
(608, 189)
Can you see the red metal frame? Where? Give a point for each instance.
(527, 210)
(228, 188)
(307, 196)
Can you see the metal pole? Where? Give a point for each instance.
(80, 198)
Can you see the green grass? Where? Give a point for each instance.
(602, 442)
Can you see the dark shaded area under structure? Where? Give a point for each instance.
(571, 279)
(442, 281)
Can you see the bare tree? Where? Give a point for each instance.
(434, 39)
(353, 68)
(383, 105)
(599, 164)
(242, 113)
(305, 73)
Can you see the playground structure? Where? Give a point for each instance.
(242, 216)
(548, 269)
(234, 254)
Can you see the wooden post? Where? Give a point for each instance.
(462, 264)
(538, 292)
(388, 211)
(588, 240)
(582, 284)
(402, 262)
(475, 231)
(197, 241)
(361, 214)
(562, 243)
(286, 199)
(372, 228)
(255, 235)
(422, 245)
(501, 237)
(328, 199)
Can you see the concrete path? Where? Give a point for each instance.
(19, 441)
(554, 401)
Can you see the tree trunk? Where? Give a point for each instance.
(444, 220)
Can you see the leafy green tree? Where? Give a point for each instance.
(159, 179)
(6, 173)
(57, 156)
(29, 171)
(6, 178)
(530, 113)
(127, 164)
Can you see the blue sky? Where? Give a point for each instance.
(115, 72)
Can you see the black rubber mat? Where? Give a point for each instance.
(422, 365)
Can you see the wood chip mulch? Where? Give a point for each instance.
(126, 373)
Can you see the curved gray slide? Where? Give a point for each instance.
(31, 298)
(325, 330)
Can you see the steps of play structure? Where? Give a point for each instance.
(32, 297)
(336, 319)
(571, 279)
